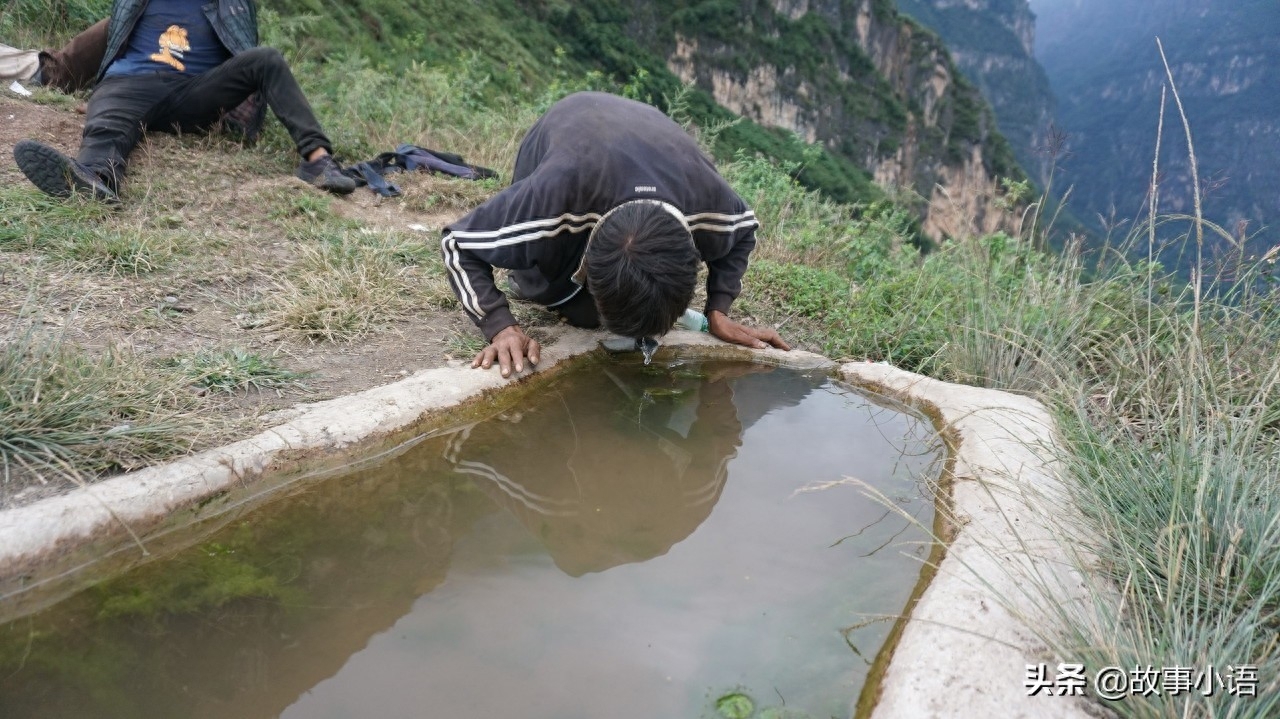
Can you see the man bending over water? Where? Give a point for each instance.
(611, 209)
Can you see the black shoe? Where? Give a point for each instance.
(59, 175)
(325, 174)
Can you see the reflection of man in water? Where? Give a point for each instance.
(603, 492)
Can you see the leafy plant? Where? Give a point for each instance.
(735, 706)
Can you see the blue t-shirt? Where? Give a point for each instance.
(171, 36)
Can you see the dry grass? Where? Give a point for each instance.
(67, 415)
(339, 290)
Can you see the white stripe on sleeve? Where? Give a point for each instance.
(481, 238)
(453, 262)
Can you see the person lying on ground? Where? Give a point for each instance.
(611, 210)
(178, 66)
(70, 68)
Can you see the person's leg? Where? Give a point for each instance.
(75, 65)
(113, 126)
(118, 113)
(202, 103)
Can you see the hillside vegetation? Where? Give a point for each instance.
(1165, 391)
(520, 49)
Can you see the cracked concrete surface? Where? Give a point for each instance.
(962, 653)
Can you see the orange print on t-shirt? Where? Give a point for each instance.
(173, 43)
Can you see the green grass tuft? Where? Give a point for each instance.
(81, 231)
(233, 370)
(66, 414)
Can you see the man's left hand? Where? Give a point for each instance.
(726, 329)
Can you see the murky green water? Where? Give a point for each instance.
(633, 542)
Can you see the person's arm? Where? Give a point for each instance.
(506, 231)
(726, 248)
(726, 268)
(470, 275)
(472, 280)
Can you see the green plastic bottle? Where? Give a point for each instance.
(693, 320)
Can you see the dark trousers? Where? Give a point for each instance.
(122, 108)
(579, 310)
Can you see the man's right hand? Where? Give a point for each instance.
(509, 347)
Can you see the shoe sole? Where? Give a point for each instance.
(318, 182)
(338, 190)
(55, 173)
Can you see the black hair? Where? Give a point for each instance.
(641, 269)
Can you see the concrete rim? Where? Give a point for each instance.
(965, 644)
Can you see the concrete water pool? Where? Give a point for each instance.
(686, 539)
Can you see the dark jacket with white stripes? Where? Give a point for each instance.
(588, 154)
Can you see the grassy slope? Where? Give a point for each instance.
(507, 45)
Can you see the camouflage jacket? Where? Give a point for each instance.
(235, 22)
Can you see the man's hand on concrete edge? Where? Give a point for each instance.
(726, 329)
(509, 348)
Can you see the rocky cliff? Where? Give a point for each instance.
(863, 81)
(993, 44)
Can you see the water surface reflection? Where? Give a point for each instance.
(560, 560)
